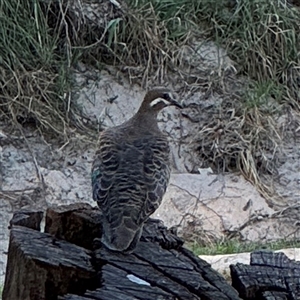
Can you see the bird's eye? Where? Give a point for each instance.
(167, 96)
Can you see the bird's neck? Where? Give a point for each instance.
(145, 121)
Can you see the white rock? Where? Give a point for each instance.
(221, 263)
(137, 280)
(57, 180)
(213, 203)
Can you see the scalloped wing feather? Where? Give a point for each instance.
(129, 179)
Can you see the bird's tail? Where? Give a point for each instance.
(121, 238)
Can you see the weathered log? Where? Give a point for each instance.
(77, 223)
(156, 232)
(27, 218)
(172, 271)
(44, 266)
(72, 222)
(41, 267)
(275, 295)
(269, 276)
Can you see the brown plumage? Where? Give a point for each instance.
(130, 172)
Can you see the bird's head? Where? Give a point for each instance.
(158, 98)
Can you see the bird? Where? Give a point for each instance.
(130, 172)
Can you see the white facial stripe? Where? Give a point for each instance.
(158, 100)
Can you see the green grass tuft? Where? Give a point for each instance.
(235, 246)
(263, 37)
(35, 76)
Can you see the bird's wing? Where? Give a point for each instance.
(104, 168)
(156, 175)
(130, 178)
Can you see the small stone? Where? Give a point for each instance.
(80, 195)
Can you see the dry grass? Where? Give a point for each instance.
(242, 136)
(149, 40)
(35, 78)
(263, 37)
(150, 44)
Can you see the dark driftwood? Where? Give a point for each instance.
(27, 218)
(269, 276)
(50, 266)
(77, 223)
(42, 267)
